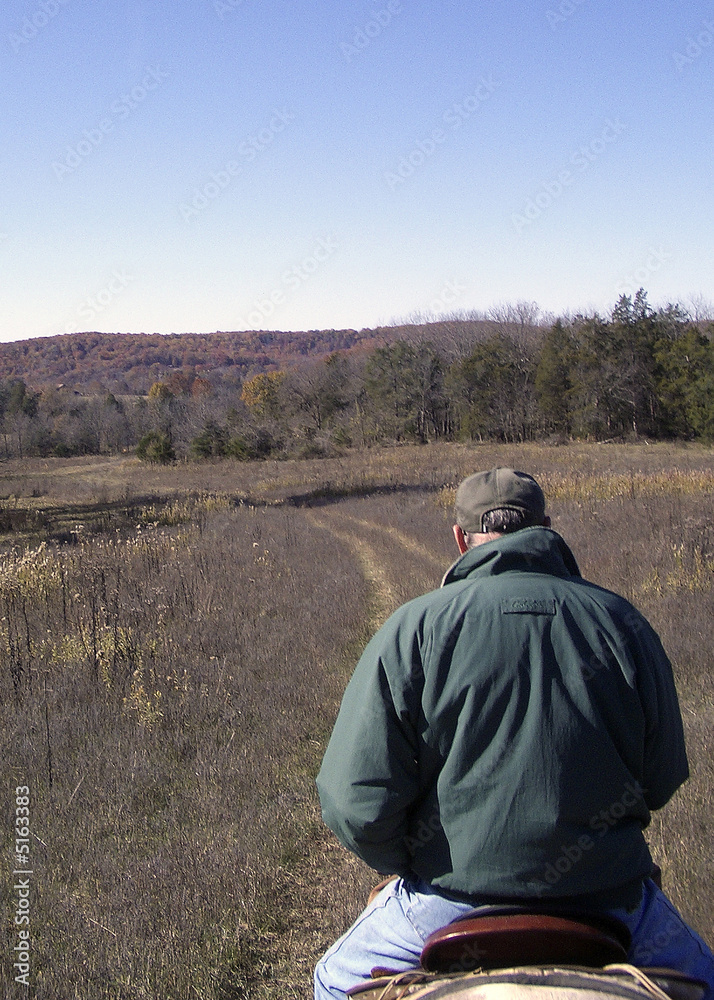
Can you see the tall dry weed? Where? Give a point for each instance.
(163, 695)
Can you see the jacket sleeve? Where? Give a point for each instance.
(369, 777)
(665, 756)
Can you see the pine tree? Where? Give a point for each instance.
(552, 379)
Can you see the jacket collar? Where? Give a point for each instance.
(537, 549)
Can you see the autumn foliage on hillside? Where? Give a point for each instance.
(132, 362)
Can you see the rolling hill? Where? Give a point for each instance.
(131, 362)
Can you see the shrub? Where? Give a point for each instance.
(211, 442)
(156, 447)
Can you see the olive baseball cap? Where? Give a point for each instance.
(498, 488)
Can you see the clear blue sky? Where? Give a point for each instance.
(233, 164)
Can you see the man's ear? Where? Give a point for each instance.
(460, 539)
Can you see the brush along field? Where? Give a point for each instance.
(173, 647)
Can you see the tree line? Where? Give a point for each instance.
(639, 372)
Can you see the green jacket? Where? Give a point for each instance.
(507, 735)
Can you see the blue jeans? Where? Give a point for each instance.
(391, 932)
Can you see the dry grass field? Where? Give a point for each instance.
(173, 647)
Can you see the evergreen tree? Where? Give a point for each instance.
(553, 386)
(404, 387)
(685, 385)
(494, 391)
(632, 334)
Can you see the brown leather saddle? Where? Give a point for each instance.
(507, 943)
(498, 937)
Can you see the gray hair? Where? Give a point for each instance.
(505, 520)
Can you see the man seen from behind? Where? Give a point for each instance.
(504, 739)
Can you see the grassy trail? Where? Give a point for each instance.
(373, 565)
(327, 886)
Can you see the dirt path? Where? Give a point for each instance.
(372, 543)
(327, 886)
(374, 568)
